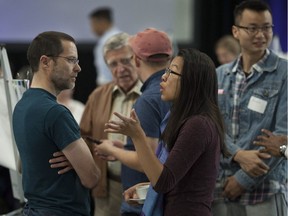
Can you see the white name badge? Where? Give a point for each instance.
(220, 91)
(257, 104)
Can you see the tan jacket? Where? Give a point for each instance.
(96, 114)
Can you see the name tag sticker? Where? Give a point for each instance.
(257, 104)
(220, 91)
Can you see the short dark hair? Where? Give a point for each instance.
(46, 43)
(255, 5)
(102, 13)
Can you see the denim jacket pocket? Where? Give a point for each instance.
(266, 95)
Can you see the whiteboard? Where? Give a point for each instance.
(7, 153)
(9, 156)
(11, 91)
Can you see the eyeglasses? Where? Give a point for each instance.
(168, 71)
(123, 61)
(71, 60)
(252, 30)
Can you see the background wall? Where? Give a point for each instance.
(21, 20)
(190, 23)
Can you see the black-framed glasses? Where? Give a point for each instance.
(70, 59)
(123, 61)
(252, 30)
(168, 71)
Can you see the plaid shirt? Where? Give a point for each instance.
(267, 188)
(240, 84)
(239, 87)
(263, 192)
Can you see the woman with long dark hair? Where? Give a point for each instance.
(193, 137)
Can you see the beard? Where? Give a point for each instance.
(61, 81)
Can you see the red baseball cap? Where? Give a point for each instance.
(150, 42)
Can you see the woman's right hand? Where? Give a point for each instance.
(128, 126)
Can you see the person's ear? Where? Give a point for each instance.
(44, 61)
(137, 60)
(235, 31)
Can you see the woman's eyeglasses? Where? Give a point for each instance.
(168, 71)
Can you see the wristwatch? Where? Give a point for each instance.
(282, 150)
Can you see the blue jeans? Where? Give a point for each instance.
(27, 211)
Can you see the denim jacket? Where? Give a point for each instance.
(270, 86)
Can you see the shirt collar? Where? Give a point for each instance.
(257, 66)
(151, 79)
(136, 89)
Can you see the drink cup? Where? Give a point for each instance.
(141, 191)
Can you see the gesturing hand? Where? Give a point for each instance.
(128, 126)
(105, 149)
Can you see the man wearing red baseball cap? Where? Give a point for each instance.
(152, 53)
(151, 45)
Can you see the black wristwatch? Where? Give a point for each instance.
(282, 150)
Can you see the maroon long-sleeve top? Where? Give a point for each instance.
(189, 175)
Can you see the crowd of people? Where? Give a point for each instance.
(208, 141)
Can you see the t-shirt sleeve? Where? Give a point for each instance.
(61, 126)
(190, 144)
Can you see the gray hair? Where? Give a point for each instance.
(115, 42)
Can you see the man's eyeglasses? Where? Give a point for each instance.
(71, 60)
(252, 30)
(123, 61)
(168, 71)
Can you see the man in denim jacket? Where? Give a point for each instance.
(252, 94)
